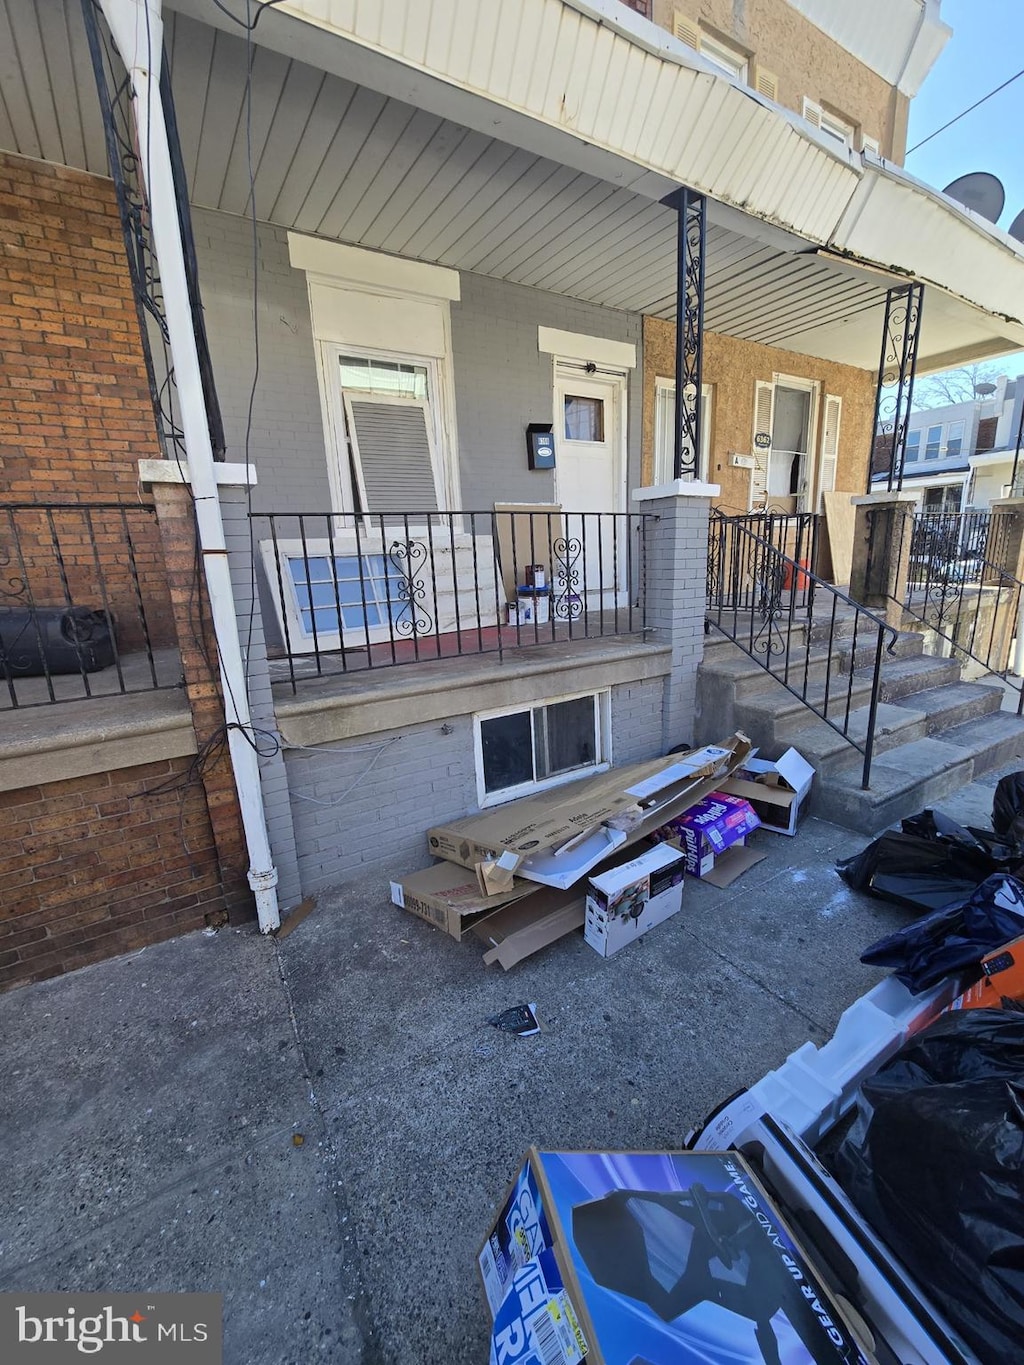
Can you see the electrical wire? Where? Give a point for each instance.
(964, 114)
(250, 57)
(248, 23)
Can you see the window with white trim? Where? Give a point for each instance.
(534, 747)
(730, 60)
(664, 430)
(913, 451)
(827, 121)
(933, 441)
(955, 438)
(389, 432)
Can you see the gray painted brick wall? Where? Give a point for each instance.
(362, 809)
(502, 381)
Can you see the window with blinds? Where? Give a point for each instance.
(390, 431)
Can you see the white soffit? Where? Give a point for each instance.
(576, 346)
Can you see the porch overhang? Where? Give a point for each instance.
(422, 132)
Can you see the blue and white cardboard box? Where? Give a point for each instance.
(674, 1258)
(713, 835)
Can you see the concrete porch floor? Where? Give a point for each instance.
(153, 1103)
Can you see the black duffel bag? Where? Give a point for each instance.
(39, 640)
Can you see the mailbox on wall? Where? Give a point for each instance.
(540, 445)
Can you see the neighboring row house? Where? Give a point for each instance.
(454, 525)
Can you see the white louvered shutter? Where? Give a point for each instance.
(812, 112)
(766, 83)
(392, 455)
(764, 401)
(686, 30)
(830, 444)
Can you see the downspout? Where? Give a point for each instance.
(138, 32)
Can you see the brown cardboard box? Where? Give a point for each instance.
(557, 836)
(449, 896)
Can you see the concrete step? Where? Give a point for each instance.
(903, 678)
(991, 740)
(823, 747)
(770, 715)
(904, 779)
(952, 705)
(736, 669)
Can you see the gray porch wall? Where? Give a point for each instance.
(361, 809)
(502, 381)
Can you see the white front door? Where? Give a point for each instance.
(590, 425)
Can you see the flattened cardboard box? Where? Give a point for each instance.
(623, 1258)
(557, 836)
(776, 789)
(449, 896)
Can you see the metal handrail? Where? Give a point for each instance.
(946, 594)
(767, 567)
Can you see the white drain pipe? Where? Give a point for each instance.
(138, 31)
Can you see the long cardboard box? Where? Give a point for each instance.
(557, 836)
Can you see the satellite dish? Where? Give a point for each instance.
(1016, 228)
(979, 191)
(983, 390)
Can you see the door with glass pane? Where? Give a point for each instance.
(589, 430)
(791, 459)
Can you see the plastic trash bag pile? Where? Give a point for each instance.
(935, 1161)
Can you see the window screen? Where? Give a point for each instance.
(531, 746)
(360, 590)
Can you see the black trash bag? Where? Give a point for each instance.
(935, 1162)
(952, 941)
(927, 864)
(1008, 809)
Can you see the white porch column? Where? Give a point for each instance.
(138, 33)
(676, 576)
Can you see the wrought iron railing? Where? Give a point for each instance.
(947, 541)
(794, 534)
(85, 609)
(958, 589)
(822, 646)
(353, 593)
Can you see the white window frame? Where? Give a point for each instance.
(934, 426)
(342, 429)
(664, 442)
(950, 430)
(602, 732)
(917, 455)
(725, 57)
(834, 126)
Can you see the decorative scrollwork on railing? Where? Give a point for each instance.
(408, 590)
(567, 603)
(15, 585)
(690, 248)
(770, 639)
(716, 531)
(896, 372)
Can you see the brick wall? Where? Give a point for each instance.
(75, 410)
(95, 866)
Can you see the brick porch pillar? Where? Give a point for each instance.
(1004, 549)
(676, 577)
(881, 552)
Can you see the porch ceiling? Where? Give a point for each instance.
(345, 162)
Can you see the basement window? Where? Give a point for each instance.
(531, 748)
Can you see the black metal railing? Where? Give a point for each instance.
(352, 593)
(85, 608)
(821, 645)
(958, 589)
(947, 541)
(794, 534)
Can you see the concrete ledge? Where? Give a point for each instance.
(678, 488)
(171, 471)
(75, 739)
(371, 702)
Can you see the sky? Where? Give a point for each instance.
(987, 47)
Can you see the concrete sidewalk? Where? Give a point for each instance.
(321, 1127)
